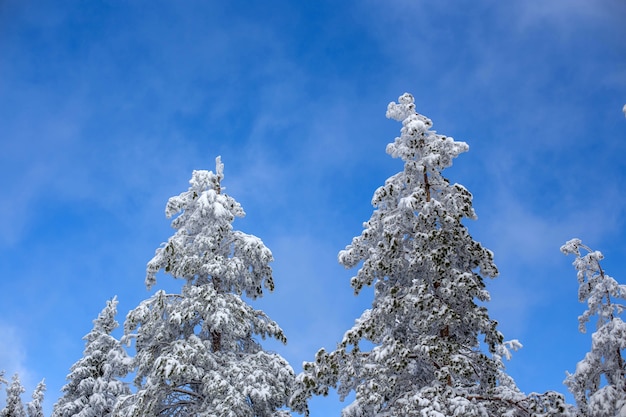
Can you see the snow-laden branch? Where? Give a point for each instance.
(599, 384)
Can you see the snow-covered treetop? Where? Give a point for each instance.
(595, 287)
(415, 205)
(35, 407)
(14, 406)
(430, 348)
(105, 323)
(598, 385)
(94, 382)
(198, 352)
(205, 247)
(417, 142)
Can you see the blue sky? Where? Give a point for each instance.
(107, 106)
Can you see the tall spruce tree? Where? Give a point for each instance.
(35, 407)
(94, 382)
(599, 384)
(198, 352)
(430, 348)
(14, 406)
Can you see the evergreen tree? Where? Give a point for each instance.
(422, 354)
(34, 408)
(2, 380)
(197, 352)
(14, 406)
(94, 383)
(598, 383)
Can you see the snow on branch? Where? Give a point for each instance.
(599, 384)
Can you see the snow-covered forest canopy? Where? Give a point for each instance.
(427, 346)
(108, 107)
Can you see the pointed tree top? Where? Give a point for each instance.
(105, 322)
(417, 142)
(219, 169)
(203, 180)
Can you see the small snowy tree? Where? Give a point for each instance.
(94, 383)
(598, 384)
(423, 354)
(197, 351)
(14, 406)
(34, 408)
(2, 380)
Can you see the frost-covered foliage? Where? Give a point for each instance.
(34, 408)
(94, 383)
(426, 325)
(598, 383)
(197, 351)
(14, 406)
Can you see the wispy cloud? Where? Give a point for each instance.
(108, 109)
(563, 15)
(13, 358)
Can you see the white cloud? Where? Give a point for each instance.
(563, 14)
(12, 355)
(13, 359)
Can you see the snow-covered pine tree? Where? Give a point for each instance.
(14, 406)
(599, 384)
(197, 351)
(94, 382)
(2, 380)
(423, 354)
(35, 407)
